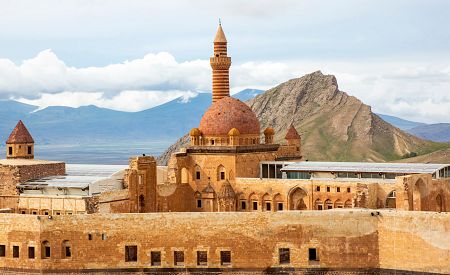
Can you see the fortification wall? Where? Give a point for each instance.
(346, 241)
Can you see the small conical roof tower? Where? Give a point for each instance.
(292, 133)
(20, 143)
(20, 134)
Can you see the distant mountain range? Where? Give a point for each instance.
(91, 124)
(435, 132)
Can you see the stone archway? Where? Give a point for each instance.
(184, 175)
(391, 200)
(297, 199)
(418, 196)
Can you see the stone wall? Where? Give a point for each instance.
(350, 241)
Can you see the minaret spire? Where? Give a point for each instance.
(220, 64)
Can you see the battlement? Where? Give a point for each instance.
(345, 241)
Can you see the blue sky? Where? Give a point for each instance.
(131, 55)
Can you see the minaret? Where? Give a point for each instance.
(220, 64)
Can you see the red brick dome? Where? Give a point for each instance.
(226, 114)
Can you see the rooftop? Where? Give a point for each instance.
(20, 134)
(368, 167)
(22, 162)
(77, 176)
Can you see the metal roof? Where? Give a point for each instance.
(77, 176)
(369, 167)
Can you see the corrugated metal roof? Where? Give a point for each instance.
(77, 176)
(369, 167)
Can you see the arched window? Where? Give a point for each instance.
(278, 202)
(46, 250)
(328, 204)
(66, 249)
(254, 202)
(338, 204)
(297, 199)
(267, 202)
(391, 200)
(318, 204)
(348, 204)
(184, 175)
(221, 175)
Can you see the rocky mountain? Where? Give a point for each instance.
(334, 126)
(435, 132)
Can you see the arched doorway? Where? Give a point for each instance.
(348, 204)
(391, 200)
(297, 199)
(418, 197)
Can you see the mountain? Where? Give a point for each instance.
(334, 126)
(403, 124)
(439, 156)
(435, 132)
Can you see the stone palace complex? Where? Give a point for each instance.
(232, 201)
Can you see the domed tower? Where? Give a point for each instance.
(220, 64)
(20, 143)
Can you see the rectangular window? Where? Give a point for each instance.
(222, 175)
(278, 172)
(255, 205)
(155, 258)
(202, 258)
(318, 188)
(29, 150)
(47, 252)
(268, 206)
(284, 255)
(15, 251)
(178, 258)
(338, 189)
(328, 188)
(31, 252)
(68, 252)
(280, 206)
(90, 237)
(199, 203)
(265, 171)
(312, 252)
(348, 189)
(2, 250)
(243, 205)
(319, 207)
(225, 257)
(10, 150)
(103, 236)
(197, 175)
(131, 253)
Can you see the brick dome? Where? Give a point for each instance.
(226, 114)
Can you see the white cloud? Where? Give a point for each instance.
(417, 90)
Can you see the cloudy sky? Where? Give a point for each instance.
(130, 55)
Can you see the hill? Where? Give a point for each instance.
(334, 126)
(439, 156)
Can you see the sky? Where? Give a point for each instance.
(135, 54)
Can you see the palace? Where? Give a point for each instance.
(233, 201)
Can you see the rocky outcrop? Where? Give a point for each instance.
(334, 126)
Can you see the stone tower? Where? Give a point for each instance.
(140, 179)
(220, 64)
(20, 143)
